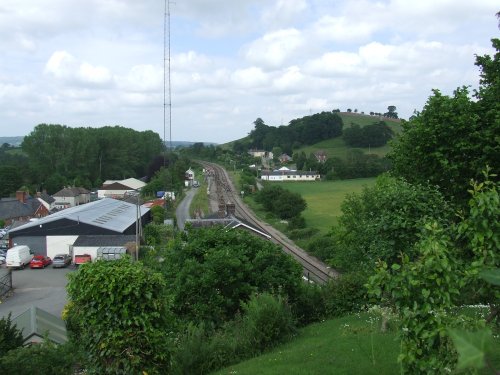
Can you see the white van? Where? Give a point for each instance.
(18, 256)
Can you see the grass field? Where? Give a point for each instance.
(325, 198)
(348, 345)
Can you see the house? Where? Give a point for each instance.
(261, 154)
(21, 208)
(46, 200)
(57, 233)
(285, 174)
(71, 197)
(321, 156)
(284, 158)
(119, 188)
(189, 177)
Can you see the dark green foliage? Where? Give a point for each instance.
(213, 270)
(281, 202)
(119, 316)
(454, 137)
(10, 180)
(374, 135)
(41, 359)
(357, 164)
(423, 292)
(247, 181)
(10, 336)
(266, 321)
(309, 304)
(158, 214)
(345, 294)
(88, 154)
(303, 131)
(383, 222)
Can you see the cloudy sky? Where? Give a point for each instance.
(100, 62)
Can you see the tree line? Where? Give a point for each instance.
(56, 155)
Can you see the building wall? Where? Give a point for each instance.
(37, 244)
(112, 193)
(59, 245)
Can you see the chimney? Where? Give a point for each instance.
(222, 210)
(231, 209)
(38, 194)
(21, 196)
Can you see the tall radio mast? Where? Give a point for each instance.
(166, 78)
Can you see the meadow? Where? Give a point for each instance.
(324, 199)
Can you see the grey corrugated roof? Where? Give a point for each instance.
(289, 173)
(105, 213)
(104, 240)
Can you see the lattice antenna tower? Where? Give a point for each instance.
(167, 100)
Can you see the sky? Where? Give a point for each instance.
(96, 63)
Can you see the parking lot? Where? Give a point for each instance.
(44, 288)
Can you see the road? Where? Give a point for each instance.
(182, 210)
(44, 288)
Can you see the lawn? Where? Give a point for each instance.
(325, 198)
(348, 345)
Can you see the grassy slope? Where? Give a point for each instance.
(336, 147)
(337, 346)
(325, 198)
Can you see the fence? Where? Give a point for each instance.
(5, 281)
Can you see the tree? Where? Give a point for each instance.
(211, 271)
(452, 140)
(10, 336)
(391, 112)
(118, 313)
(10, 180)
(383, 222)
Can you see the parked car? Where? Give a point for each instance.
(40, 261)
(18, 256)
(61, 260)
(82, 258)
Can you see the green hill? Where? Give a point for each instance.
(336, 147)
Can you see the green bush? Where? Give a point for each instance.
(345, 294)
(267, 320)
(41, 359)
(10, 336)
(309, 305)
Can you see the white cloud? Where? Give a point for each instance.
(275, 49)
(250, 77)
(284, 12)
(64, 66)
(342, 29)
(232, 61)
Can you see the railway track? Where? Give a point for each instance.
(314, 269)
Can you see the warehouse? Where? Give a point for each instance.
(56, 233)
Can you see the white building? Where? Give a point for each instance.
(285, 174)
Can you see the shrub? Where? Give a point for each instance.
(41, 359)
(345, 294)
(10, 336)
(267, 320)
(309, 305)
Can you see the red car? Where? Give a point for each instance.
(40, 261)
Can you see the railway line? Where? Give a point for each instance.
(314, 270)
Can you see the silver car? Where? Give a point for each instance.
(61, 260)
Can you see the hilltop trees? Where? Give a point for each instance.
(303, 131)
